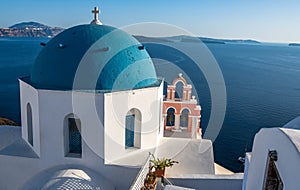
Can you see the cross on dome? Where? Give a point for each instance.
(96, 12)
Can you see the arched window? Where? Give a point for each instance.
(179, 90)
(272, 176)
(184, 118)
(72, 135)
(29, 125)
(133, 123)
(170, 117)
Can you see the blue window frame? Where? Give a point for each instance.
(29, 124)
(129, 131)
(75, 145)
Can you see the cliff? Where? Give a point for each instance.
(4, 121)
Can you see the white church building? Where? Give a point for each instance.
(91, 112)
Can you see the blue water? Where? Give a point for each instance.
(263, 90)
(262, 84)
(16, 58)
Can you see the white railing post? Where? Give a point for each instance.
(138, 183)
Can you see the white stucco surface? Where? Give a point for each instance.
(294, 124)
(29, 95)
(294, 136)
(286, 142)
(68, 177)
(172, 187)
(220, 170)
(12, 144)
(195, 156)
(9, 131)
(104, 157)
(292, 129)
(22, 169)
(116, 105)
(246, 168)
(209, 182)
(22, 162)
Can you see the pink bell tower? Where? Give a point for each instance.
(181, 110)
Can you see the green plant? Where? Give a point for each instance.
(150, 178)
(149, 182)
(161, 163)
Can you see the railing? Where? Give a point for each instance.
(161, 183)
(165, 181)
(138, 183)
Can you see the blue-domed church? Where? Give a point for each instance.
(90, 105)
(91, 112)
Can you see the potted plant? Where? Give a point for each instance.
(159, 164)
(150, 181)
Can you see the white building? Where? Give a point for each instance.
(273, 164)
(91, 112)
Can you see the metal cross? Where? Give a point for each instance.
(96, 13)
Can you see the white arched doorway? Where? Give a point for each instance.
(133, 122)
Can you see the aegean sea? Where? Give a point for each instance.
(262, 85)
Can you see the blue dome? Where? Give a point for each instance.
(110, 59)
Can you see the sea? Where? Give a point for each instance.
(262, 84)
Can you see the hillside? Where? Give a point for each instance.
(4, 121)
(294, 44)
(30, 29)
(35, 29)
(190, 39)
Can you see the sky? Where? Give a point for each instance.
(263, 20)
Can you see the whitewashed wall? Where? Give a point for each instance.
(117, 104)
(28, 94)
(55, 106)
(49, 110)
(210, 182)
(288, 163)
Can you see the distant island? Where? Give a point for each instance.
(225, 41)
(30, 29)
(294, 44)
(190, 39)
(151, 39)
(35, 29)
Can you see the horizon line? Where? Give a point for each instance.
(199, 36)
